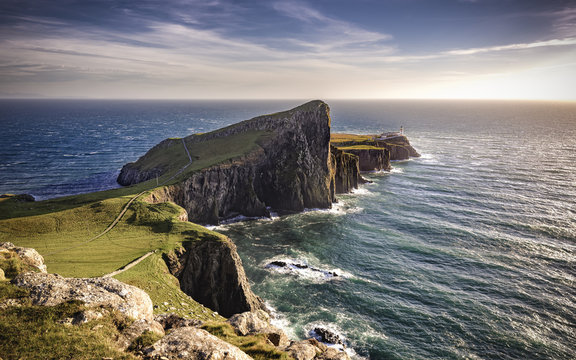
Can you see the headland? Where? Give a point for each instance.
(185, 279)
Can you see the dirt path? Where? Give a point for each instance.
(130, 265)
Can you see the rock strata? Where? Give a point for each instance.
(193, 344)
(51, 290)
(211, 272)
(345, 172)
(372, 159)
(288, 172)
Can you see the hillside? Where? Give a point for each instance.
(140, 234)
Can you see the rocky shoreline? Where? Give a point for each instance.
(295, 163)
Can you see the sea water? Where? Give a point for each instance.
(467, 252)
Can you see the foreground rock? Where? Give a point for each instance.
(211, 272)
(51, 290)
(258, 322)
(136, 329)
(193, 344)
(28, 256)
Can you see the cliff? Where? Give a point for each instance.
(345, 171)
(211, 272)
(279, 162)
(374, 153)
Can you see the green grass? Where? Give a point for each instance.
(336, 138)
(254, 345)
(359, 147)
(152, 275)
(34, 332)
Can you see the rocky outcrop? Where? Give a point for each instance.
(28, 256)
(399, 147)
(372, 159)
(258, 322)
(51, 290)
(136, 329)
(193, 344)
(211, 272)
(289, 171)
(311, 349)
(345, 172)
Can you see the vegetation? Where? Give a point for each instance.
(152, 276)
(64, 231)
(359, 147)
(11, 264)
(256, 346)
(42, 332)
(336, 139)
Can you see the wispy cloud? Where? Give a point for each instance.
(326, 33)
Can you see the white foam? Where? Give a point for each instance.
(300, 267)
(397, 171)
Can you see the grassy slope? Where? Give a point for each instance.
(37, 332)
(60, 229)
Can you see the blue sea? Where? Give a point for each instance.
(468, 252)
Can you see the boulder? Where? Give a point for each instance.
(28, 256)
(193, 344)
(52, 289)
(305, 349)
(138, 328)
(258, 322)
(2, 276)
(334, 354)
(326, 335)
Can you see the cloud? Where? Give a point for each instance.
(554, 42)
(325, 33)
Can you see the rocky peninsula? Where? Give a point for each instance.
(284, 163)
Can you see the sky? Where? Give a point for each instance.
(288, 49)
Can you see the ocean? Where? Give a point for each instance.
(467, 252)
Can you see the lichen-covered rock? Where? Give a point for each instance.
(172, 321)
(305, 349)
(189, 343)
(136, 329)
(258, 322)
(211, 272)
(51, 290)
(333, 354)
(28, 256)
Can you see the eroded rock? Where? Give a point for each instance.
(51, 290)
(193, 344)
(211, 272)
(28, 256)
(258, 322)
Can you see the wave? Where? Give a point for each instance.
(302, 268)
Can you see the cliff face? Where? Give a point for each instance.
(372, 159)
(399, 147)
(345, 171)
(211, 272)
(288, 171)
